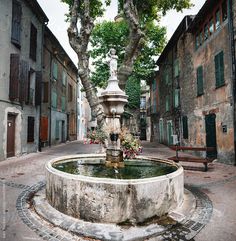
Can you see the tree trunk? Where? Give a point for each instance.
(79, 42)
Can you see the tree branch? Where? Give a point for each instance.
(135, 44)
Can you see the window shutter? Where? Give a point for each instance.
(55, 71)
(16, 23)
(54, 99)
(185, 127)
(14, 76)
(221, 67)
(24, 80)
(33, 42)
(44, 129)
(200, 81)
(176, 97)
(38, 81)
(63, 103)
(30, 131)
(217, 71)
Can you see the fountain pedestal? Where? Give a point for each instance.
(113, 100)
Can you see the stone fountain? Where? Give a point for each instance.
(80, 187)
(113, 100)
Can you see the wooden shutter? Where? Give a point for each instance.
(33, 42)
(16, 23)
(24, 80)
(30, 131)
(221, 67)
(185, 127)
(14, 77)
(55, 71)
(200, 81)
(38, 88)
(44, 129)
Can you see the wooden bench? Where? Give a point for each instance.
(205, 160)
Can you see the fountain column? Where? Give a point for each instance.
(113, 100)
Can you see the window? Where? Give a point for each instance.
(70, 93)
(206, 32)
(211, 26)
(63, 103)
(30, 129)
(219, 69)
(33, 42)
(167, 103)
(14, 77)
(217, 19)
(224, 10)
(64, 78)
(55, 71)
(176, 98)
(166, 77)
(176, 68)
(54, 99)
(143, 102)
(200, 81)
(185, 127)
(16, 23)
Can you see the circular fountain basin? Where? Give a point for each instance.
(81, 187)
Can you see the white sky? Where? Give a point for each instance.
(55, 10)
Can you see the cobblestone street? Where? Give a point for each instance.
(214, 191)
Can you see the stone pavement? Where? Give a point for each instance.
(18, 175)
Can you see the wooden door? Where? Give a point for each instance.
(11, 135)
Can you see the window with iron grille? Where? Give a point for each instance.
(33, 42)
(30, 129)
(16, 23)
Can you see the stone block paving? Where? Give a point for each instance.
(214, 190)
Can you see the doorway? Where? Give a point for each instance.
(63, 131)
(11, 119)
(210, 122)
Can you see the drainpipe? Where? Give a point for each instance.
(40, 106)
(232, 46)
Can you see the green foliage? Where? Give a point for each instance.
(133, 91)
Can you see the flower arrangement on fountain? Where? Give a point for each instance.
(129, 144)
(97, 136)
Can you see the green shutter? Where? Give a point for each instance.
(176, 68)
(221, 63)
(55, 71)
(64, 77)
(54, 99)
(185, 127)
(200, 90)
(161, 130)
(176, 97)
(219, 69)
(63, 103)
(167, 103)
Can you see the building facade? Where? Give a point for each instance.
(22, 24)
(59, 94)
(196, 84)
